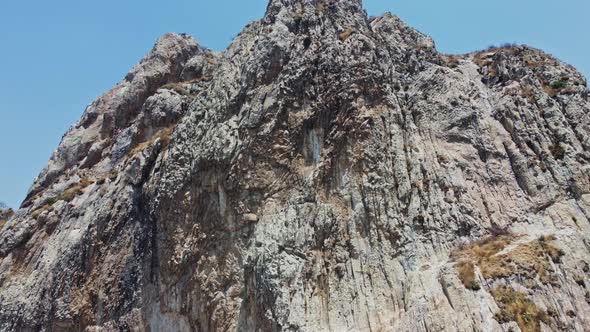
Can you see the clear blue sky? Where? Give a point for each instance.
(57, 56)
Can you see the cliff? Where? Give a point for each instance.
(328, 171)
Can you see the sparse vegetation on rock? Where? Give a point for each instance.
(344, 35)
(5, 214)
(514, 306)
(557, 151)
(328, 171)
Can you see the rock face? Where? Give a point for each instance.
(327, 172)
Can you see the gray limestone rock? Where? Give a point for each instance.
(328, 171)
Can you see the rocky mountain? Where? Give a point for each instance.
(328, 171)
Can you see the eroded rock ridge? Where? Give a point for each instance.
(328, 171)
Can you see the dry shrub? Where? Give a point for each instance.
(482, 59)
(111, 176)
(466, 271)
(46, 207)
(344, 35)
(531, 62)
(515, 307)
(163, 135)
(5, 216)
(550, 91)
(483, 254)
(178, 87)
(557, 151)
(69, 194)
(528, 93)
(451, 61)
(425, 48)
(569, 90)
(529, 260)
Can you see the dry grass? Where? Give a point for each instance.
(528, 93)
(4, 218)
(35, 214)
(550, 90)
(482, 59)
(569, 90)
(451, 61)
(485, 59)
(483, 253)
(112, 176)
(466, 271)
(515, 307)
(178, 87)
(531, 59)
(344, 35)
(69, 194)
(531, 62)
(534, 258)
(162, 135)
(529, 260)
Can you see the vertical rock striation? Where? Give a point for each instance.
(326, 172)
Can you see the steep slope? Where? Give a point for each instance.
(327, 172)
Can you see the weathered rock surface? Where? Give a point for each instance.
(327, 172)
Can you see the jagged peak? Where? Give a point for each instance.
(322, 148)
(298, 7)
(171, 45)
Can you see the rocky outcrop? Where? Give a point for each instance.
(5, 214)
(327, 172)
